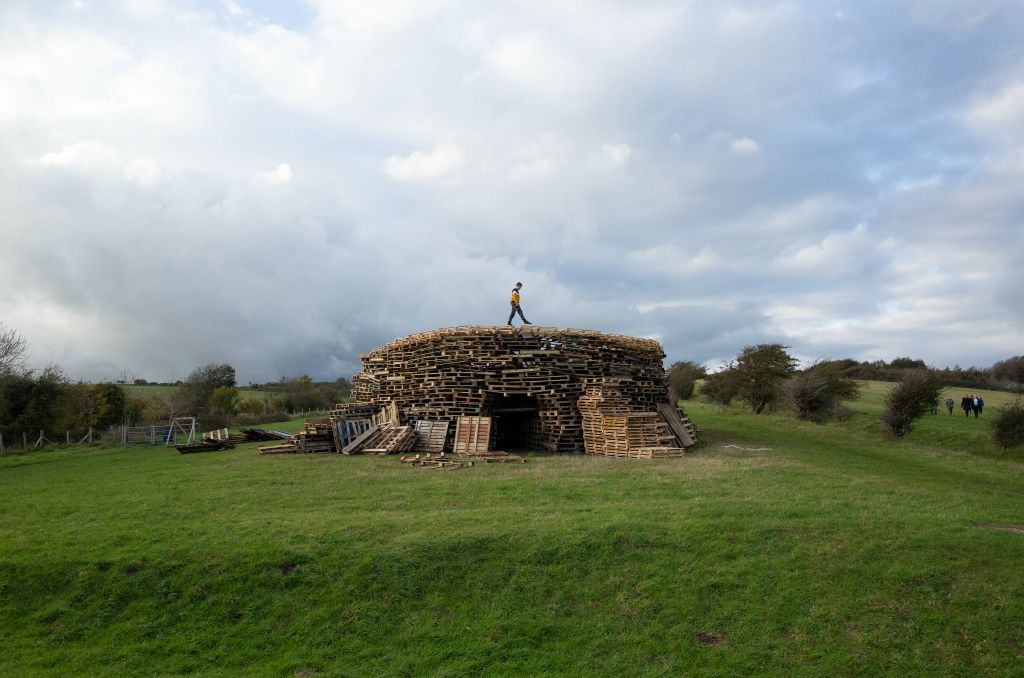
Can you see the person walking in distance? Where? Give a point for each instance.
(935, 404)
(965, 405)
(516, 308)
(949, 405)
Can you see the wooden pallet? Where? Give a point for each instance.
(431, 435)
(472, 435)
(283, 448)
(679, 423)
(436, 461)
(347, 430)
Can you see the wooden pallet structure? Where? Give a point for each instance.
(511, 375)
(611, 429)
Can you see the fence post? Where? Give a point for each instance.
(24, 440)
(124, 436)
(152, 435)
(90, 435)
(1, 443)
(67, 438)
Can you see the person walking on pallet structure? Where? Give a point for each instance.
(516, 308)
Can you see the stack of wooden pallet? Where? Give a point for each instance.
(316, 436)
(471, 371)
(610, 429)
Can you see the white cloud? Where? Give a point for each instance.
(1001, 113)
(614, 155)
(82, 154)
(527, 116)
(744, 145)
(441, 162)
(143, 171)
(282, 174)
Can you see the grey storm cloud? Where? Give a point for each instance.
(284, 186)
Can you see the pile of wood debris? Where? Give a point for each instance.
(358, 429)
(222, 439)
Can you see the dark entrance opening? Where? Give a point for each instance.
(515, 421)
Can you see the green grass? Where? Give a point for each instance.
(155, 390)
(836, 552)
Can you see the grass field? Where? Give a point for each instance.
(835, 551)
(155, 390)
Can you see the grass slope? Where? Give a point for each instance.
(834, 552)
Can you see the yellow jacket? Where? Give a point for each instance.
(515, 296)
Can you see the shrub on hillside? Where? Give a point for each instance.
(909, 400)
(721, 387)
(683, 376)
(817, 393)
(760, 373)
(1008, 426)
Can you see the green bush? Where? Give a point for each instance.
(721, 387)
(909, 400)
(817, 393)
(682, 378)
(1008, 426)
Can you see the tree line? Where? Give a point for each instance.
(765, 378)
(33, 400)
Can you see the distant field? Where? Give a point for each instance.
(776, 548)
(150, 390)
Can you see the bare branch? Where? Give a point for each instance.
(12, 348)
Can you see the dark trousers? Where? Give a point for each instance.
(516, 309)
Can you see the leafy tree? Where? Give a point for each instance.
(761, 371)
(909, 400)
(84, 406)
(193, 395)
(817, 393)
(225, 399)
(723, 386)
(683, 376)
(30, 402)
(908, 364)
(1009, 372)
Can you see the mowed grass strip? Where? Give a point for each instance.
(836, 551)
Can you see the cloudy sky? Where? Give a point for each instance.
(283, 186)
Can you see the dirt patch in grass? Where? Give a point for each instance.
(287, 568)
(705, 638)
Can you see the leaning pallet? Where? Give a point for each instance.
(347, 430)
(472, 435)
(431, 435)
